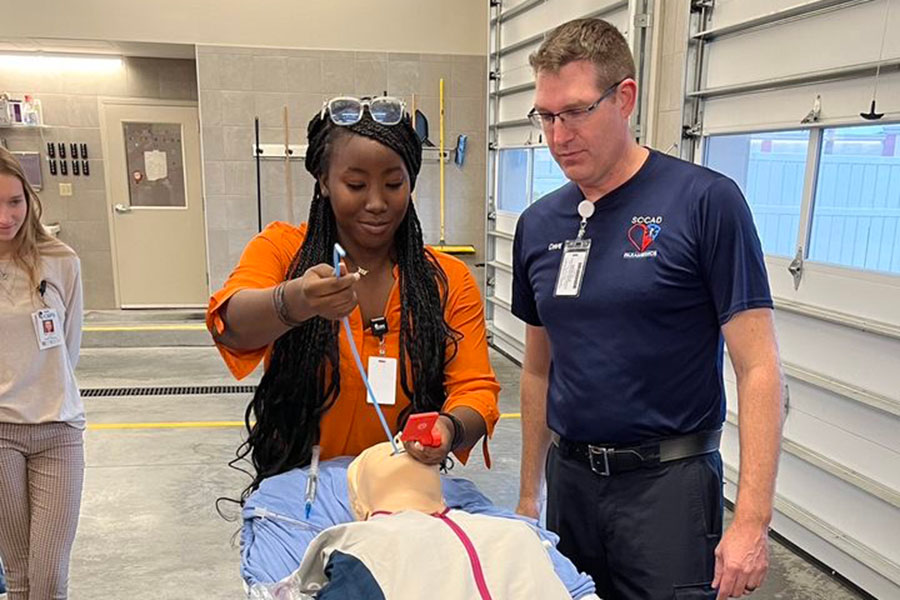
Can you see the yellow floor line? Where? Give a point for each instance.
(191, 327)
(174, 425)
(202, 424)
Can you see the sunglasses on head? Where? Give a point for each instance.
(347, 110)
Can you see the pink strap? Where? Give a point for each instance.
(473, 555)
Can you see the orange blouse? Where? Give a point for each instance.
(351, 425)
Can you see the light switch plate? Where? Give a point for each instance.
(65, 189)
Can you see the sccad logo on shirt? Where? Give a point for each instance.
(642, 233)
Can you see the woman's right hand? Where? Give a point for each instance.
(318, 293)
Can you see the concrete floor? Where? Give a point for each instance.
(149, 526)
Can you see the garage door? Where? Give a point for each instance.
(520, 168)
(775, 103)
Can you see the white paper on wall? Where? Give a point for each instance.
(155, 165)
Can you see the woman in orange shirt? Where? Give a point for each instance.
(405, 302)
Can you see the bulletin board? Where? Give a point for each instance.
(155, 160)
(31, 164)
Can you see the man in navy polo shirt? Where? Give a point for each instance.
(629, 279)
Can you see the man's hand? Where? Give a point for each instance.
(529, 507)
(742, 559)
(433, 455)
(535, 433)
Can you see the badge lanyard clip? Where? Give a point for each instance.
(585, 211)
(380, 329)
(581, 229)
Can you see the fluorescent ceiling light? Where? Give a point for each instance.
(60, 63)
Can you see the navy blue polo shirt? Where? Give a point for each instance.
(674, 255)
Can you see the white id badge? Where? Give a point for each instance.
(571, 268)
(48, 328)
(383, 379)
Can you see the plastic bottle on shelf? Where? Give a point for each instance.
(38, 111)
(30, 114)
(5, 118)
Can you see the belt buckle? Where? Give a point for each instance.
(593, 453)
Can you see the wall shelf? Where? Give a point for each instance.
(18, 126)
(298, 152)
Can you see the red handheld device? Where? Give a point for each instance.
(419, 428)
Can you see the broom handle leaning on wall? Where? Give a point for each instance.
(256, 152)
(288, 176)
(441, 157)
(412, 120)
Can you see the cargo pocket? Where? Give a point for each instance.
(707, 508)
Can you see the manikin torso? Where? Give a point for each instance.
(409, 545)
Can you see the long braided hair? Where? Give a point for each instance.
(303, 378)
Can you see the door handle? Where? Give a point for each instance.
(796, 268)
(122, 209)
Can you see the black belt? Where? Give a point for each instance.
(609, 460)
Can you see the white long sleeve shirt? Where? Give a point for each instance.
(38, 386)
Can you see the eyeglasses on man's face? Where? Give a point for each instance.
(572, 117)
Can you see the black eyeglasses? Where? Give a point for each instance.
(572, 117)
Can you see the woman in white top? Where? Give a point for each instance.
(41, 413)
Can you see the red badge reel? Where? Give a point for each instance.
(420, 428)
